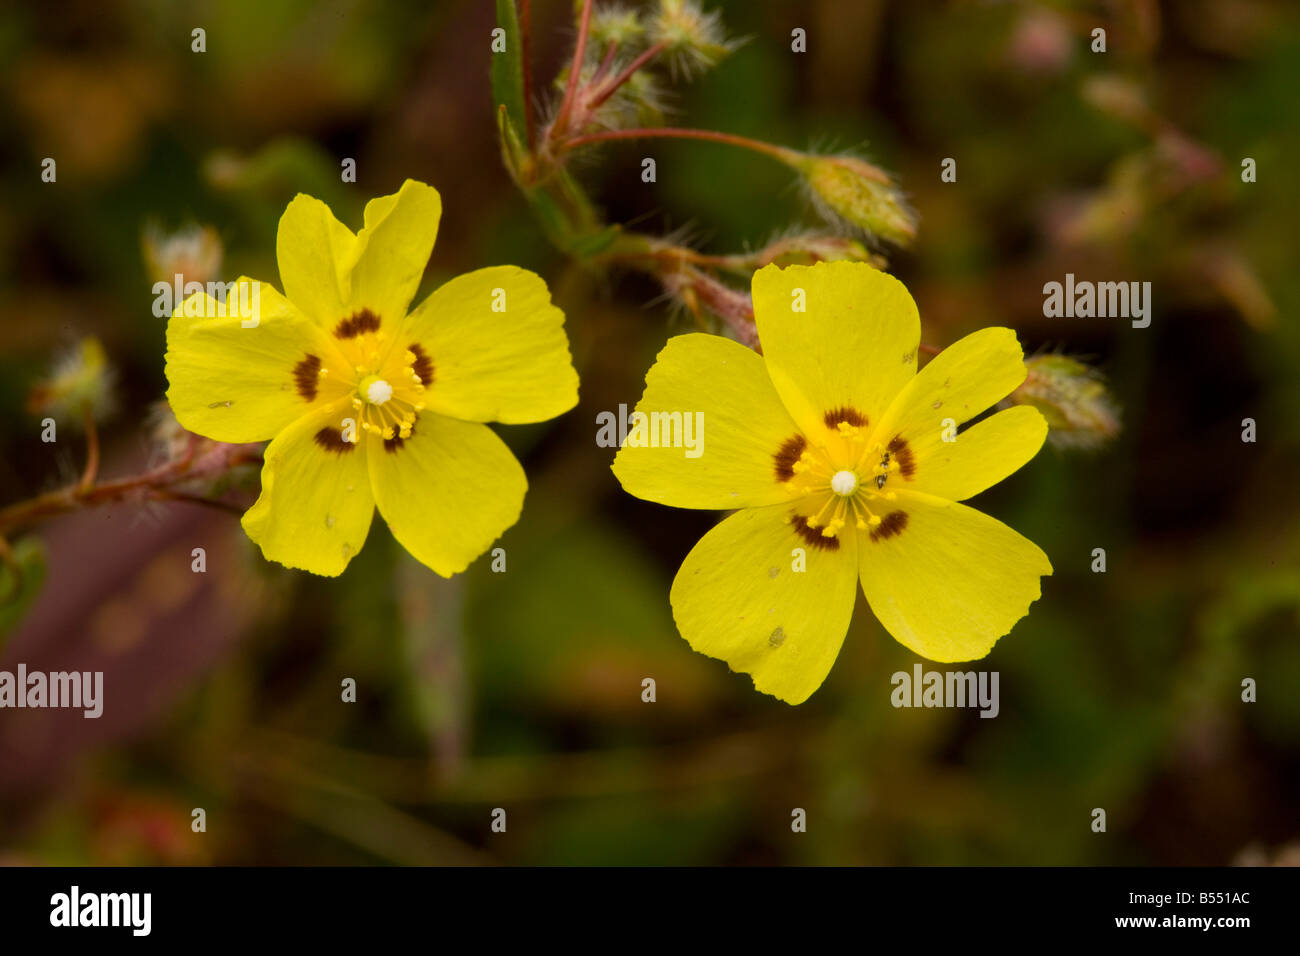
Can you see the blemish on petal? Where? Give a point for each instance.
(356, 324)
(787, 455)
(890, 526)
(331, 439)
(777, 637)
(329, 521)
(773, 572)
(306, 375)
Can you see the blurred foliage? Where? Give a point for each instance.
(522, 690)
(22, 575)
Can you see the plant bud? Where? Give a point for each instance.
(194, 253)
(81, 382)
(859, 193)
(1072, 397)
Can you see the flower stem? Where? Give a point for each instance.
(779, 153)
(92, 449)
(525, 32)
(156, 484)
(606, 62)
(571, 88)
(611, 87)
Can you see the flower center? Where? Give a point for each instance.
(386, 382)
(842, 478)
(389, 399)
(844, 482)
(375, 390)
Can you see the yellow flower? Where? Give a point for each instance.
(833, 447)
(367, 405)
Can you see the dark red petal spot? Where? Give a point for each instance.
(423, 365)
(787, 455)
(890, 525)
(845, 414)
(812, 536)
(358, 323)
(903, 454)
(331, 439)
(396, 442)
(306, 376)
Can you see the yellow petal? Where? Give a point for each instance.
(237, 384)
(392, 250)
(959, 383)
(738, 598)
(315, 508)
(979, 457)
(448, 491)
(853, 348)
(315, 251)
(947, 581)
(738, 428)
(498, 348)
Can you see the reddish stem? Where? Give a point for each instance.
(571, 88)
(156, 483)
(92, 449)
(606, 61)
(525, 32)
(612, 86)
(675, 132)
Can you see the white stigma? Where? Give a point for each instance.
(379, 392)
(844, 483)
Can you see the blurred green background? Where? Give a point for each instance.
(522, 690)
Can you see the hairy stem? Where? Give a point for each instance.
(571, 88)
(676, 132)
(611, 87)
(157, 484)
(606, 61)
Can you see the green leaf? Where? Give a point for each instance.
(19, 590)
(508, 67)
